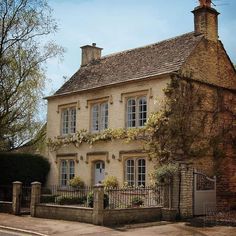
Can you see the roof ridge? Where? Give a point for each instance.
(146, 46)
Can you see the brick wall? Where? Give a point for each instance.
(210, 63)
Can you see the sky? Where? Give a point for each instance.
(117, 25)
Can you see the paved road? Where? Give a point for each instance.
(10, 233)
(65, 228)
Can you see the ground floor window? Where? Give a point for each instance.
(135, 171)
(67, 171)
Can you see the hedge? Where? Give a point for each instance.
(69, 200)
(23, 167)
(91, 200)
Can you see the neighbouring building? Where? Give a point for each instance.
(119, 91)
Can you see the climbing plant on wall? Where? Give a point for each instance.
(188, 125)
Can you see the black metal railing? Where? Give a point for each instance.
(66, 195)
(128, 197)
(6, 193)
(135, 197)
(25, 197)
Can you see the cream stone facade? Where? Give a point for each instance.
(112, 153)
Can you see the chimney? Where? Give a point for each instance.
(206, 20)
(90, 53)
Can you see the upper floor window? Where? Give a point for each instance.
(135, 172)
(68, 120)
(99, 116)
(67, 171)
(136, 112)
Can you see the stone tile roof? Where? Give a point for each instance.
(155, 59)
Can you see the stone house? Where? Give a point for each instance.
(120, 90)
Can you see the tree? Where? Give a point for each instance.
(176, 131)
(24, 49)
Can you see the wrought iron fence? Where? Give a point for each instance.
(66, 195)
(25, 197)
(135, 197)
(6, 193)
(128, 197)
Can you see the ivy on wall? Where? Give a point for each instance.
(188, 125)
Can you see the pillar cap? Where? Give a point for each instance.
(36, 183)
(17, 182)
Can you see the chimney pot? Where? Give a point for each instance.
(205, 3)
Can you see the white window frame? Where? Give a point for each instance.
(67, 171)
(99, 116)
(133, 175)
(136, 116)
(68, 120)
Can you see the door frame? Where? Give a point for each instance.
(93, 169)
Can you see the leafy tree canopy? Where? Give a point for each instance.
(24, 49)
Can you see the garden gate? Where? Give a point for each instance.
(204, 193)
(25, 199)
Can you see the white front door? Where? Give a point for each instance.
(99, 171)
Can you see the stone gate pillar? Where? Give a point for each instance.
(35, 197)
(186, 191)
(16, 198)
(98, 204)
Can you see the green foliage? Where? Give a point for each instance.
(23, 55)
(69, 200)
(90, 200)
(165, 173)
(110, 182)
(137, 201)
(77, 182)
(176, 130)
(83, 136)
(26, 168)
(48, 198)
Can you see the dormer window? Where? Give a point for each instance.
(99, 113)
(68, 121)
(136, 112)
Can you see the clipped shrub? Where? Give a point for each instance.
(48, 198)
(69, 200)
(137, 201)
(23, 167)
(46, 191)
(77, 182)
(110, 182)
(90, 200)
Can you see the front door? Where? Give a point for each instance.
(99, 171)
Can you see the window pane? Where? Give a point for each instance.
(65, 121)
(69, 120)
(63, 173)
(142, 116)
(104, 116)
(131, 113)
(130, 172)
(72, 169)
(72, 120)
(141, 172)
(95, 117)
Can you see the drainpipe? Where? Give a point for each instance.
(180, 180)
